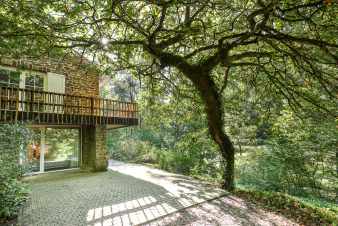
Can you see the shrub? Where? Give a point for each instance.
(133, 151)
(298, 159)
(13, 192)
(303, 211)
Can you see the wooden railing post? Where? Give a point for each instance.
(92, 108)
(17, 107)
(31, 101)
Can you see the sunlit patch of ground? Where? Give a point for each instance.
(131, 194)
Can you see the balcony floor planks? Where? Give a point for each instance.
(45, 118)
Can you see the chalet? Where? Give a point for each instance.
(60, 102)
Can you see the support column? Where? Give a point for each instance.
(94, 148)
(101, 161)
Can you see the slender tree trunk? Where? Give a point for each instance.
(200, 75)
(215, 114)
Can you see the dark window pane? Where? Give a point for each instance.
(39, 81)
(3, 76)
(29, 80)
(14, 77)
(34, 81)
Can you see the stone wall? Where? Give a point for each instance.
(94, 148)
(88, 147)
(101, 161)
(81, 77)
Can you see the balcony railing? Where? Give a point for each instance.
(54, 108)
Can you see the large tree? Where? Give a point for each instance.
(288, 48)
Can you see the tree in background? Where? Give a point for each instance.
(282, 48)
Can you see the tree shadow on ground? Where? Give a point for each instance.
(226, 210)
(83, 198)
(113, 198)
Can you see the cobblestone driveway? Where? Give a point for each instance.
(129, 194)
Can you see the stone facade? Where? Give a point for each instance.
(94, 148)
(101, 157)
(81, 78)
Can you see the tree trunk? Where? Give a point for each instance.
(215, 114)
(229, 166)
(200, 75)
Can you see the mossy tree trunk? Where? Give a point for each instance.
(200, 76)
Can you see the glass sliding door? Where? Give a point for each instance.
(53, 149)
(61, 149)
(33, 152)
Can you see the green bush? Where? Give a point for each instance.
(175, 162)
(299, 159)
(133, 151)
(13, 192)
(305, 212)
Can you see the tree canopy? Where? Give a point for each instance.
(286, 49)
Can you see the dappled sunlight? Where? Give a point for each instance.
(132, 212)
(114, 198)
(224, 211)
(186, 190)
(138, 195)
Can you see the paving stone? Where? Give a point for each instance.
(130, 194)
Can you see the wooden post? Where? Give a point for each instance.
(31, 104)
(92, 108)
(17, 108)
(31, 101)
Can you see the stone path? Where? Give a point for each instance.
(131, 194)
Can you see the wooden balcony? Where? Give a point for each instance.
(40, 107)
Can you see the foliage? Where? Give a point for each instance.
(284, 49)
(277, 150)
(179, 143)
(62, 143)
(304, 212)
(299, 159)
(12, 191)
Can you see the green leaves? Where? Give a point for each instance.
(13, 193)
(304, 211)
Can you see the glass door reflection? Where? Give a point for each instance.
(61, 149)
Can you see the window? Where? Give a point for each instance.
(34, 82)
(9, 78)
(53, 149)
